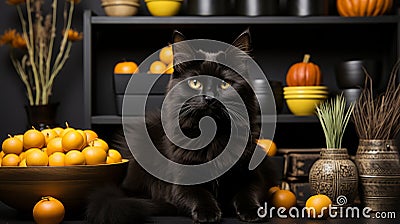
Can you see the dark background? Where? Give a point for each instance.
(68, 86)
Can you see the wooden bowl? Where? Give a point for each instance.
(120, 8)
(22, 187)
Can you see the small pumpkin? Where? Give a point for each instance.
(304, 73)
(363, 7)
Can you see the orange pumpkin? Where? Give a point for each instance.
(304, 73)
(363, 7)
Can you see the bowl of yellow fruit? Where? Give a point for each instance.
(65, 163)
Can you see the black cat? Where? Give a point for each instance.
(238, 192)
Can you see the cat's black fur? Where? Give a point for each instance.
(239, 192)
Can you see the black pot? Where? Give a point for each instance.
(350, 74)
(308, 7)
(208, 7)
(351, 95)
(257, 7)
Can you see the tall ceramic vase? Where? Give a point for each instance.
(334, 175)
(379, 169)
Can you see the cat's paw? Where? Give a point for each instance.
(249, 215)
(206, 215)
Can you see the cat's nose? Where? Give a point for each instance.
(208, 98)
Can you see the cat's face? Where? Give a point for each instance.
(207, 85)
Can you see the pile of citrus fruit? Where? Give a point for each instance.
(57, 147)
(163, 64)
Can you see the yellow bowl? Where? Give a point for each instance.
(123, 9)
(295, 88)
(303, 107)
(306, 96)
(305, 92)
(22, 187)
(163, 7)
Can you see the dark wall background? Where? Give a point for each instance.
(68, 86)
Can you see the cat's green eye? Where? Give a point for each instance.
(195, 84)
(224, 85)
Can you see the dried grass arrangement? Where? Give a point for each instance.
(378, 117)
(36, 54)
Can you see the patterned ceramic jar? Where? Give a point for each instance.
(334, 175)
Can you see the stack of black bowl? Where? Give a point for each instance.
(269, 95)
(351, 77)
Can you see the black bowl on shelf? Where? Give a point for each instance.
(307, 7)
(350, 74)
(257, 7)
(207, 7)
(351, 95)
(266, 97)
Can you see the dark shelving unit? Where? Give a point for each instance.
(278, 42)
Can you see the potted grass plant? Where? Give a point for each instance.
(377, 122)
(334, 174)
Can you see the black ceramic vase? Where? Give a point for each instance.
(41, 116)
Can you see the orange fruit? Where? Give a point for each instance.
(33, 139)
(2, 154)
(54, 145)
(170, 69)
(126, 67)
(74, 157)
(31, 150)
(20, 137)
(166, 55)
(1, 160)
(271, 191)
(22, 155)
(37, 158)
(268, 146)
(58, 130)
(110, 160)
(99, 143)
(10, 160)
(115, 155)
(85, 142)
(157, 67)
(12, 145)
(318, 206)
(66, 130)
(48, 211)
(284, 198)
(22, 163)
(49, 134)
(72, 140)
(90, 135)
(94, 155)
(57, 159)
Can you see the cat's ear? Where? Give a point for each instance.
(243, 41)
(177, 37)
(182, 50)
(238, 53)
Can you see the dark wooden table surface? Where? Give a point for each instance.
(11, 216)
